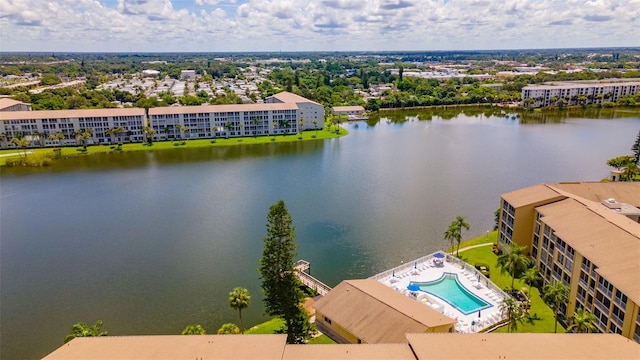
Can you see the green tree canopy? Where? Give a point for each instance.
(228, 329)
(280, 284)
(513, 260)
(83, 330)
(582, 321)
(555, 294)
(194, 329)
(239, 299)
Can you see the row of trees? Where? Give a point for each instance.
(514, 261)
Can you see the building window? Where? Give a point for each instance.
(327, 320)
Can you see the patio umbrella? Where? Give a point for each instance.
(393, 273)
(438, 255)
(415, 265)
(413, 287)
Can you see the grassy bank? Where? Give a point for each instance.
(271, 326)
(46, 156)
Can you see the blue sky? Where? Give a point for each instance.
(315, 25)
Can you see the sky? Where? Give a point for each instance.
(314, 25)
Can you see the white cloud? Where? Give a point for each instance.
(224, 25)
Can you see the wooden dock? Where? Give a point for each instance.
(302, 267)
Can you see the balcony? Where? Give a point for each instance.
(601, 306)
(605, 291)
(617, 320)
(585, 268)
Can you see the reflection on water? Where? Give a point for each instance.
(522, 116)
(135, 159)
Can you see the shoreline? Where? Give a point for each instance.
(164, 145)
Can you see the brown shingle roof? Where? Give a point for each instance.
(348, 352)
(6, 102)
(613, 249)
(531, 195)
(523, 346)
(288, 97)
(187, 347)
(375, 313)
(627, 192)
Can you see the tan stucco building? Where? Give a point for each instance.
(367, 311)
(586, 235)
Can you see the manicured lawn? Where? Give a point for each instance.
(271, 326)
(490, 238)
(322, 339)
(267, 327)
(166, 145)
(538, 307)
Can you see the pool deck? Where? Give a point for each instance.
(430, 268)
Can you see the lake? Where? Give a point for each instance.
(151, 242)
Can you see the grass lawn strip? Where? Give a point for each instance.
(69, 151)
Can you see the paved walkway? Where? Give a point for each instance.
(474, 246)
(16, 154)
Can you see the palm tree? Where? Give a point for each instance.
(213, 133)
(285, 124)
(450, 235)
(582, 320)
(57, 136)
(148, 133)
(315, 125)
(239, 299)
(116, 131)
(40, 137)
(513, 311)
(513, 260)
(83, 330)
(531, 277)
(227, 127)
(255, 122)
(460, 223)
(275, 127)
(21, 142)
(555, 294)
(194, 329)
(165, 130)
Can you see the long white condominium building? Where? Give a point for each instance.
(283, 113)
(578, 92)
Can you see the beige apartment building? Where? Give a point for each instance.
(586, 235)
(369, 312)
(578, 92)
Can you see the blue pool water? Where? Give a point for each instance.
(448, 289)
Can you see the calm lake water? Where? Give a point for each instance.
(152, 242)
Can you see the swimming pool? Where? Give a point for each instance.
(448, 289)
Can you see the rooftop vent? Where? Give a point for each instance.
(611, 203)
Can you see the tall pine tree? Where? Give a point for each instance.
(636, 150)
(280, 284)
